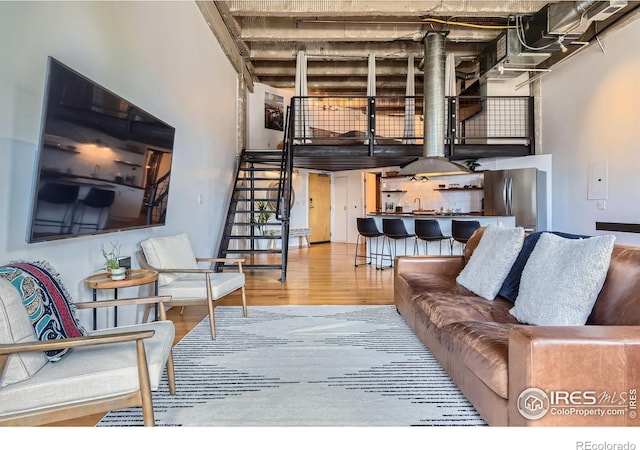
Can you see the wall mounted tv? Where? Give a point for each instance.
(103, 163)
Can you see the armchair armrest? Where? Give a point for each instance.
(436, 265)
(229, 261)
(224, 260)
(159, 301)
(56, 344)
(590, 368)
(84, 341)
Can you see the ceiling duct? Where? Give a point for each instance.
(505, 57)
(566, 20)
(433, 160)
(537, 37)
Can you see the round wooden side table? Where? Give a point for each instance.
(137, 277)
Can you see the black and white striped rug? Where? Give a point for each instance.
(305, 366)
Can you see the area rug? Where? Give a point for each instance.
(339, 366)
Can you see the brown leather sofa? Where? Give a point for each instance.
(587, 375)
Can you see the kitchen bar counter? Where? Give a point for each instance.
(445, 226)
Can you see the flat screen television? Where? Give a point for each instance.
(103, 163)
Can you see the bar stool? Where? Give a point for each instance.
(393, 229)
(100, 200)
(461, 231)
(428, 230)
(368, 229)
(56, 205)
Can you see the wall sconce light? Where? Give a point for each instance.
(413, 178)
(423, 179)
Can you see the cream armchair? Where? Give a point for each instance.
(181, 277)
(108, 369)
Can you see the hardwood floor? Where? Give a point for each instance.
(323, 274)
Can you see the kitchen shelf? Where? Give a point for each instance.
(460, 189)
(396, 190)
(67, 149)
(127, 163)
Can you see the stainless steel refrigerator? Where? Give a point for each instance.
(517, 192)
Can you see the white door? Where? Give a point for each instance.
(340, 215)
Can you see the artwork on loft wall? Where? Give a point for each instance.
(273, 111)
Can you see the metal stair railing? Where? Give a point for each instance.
(250, 200)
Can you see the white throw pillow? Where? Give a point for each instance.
(491, 261)
(562, 279)
(169, 252)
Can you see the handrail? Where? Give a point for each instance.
(398, 120)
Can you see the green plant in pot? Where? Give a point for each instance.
(472, 164)
(263, 216)
(111, 263)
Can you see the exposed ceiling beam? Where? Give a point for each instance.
(262, 29)
(333, 51)
(363, 8)
(264, 36)
(241, 65)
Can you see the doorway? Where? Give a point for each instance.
(319, 207)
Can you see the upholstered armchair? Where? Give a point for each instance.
(105, 370)
(181, 277)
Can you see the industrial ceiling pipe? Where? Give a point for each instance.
(433, 85)
(433, 160)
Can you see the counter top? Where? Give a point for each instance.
(430, 216)
(70, 178)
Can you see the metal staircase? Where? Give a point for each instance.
(257, 223)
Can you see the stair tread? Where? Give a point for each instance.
(252, 163)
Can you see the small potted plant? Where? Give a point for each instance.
(111, 264)
(263, 216)
(472, 164)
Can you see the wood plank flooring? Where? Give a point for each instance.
(323, 274)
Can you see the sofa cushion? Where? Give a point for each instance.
(511, 284)
(169, 252)
(96, 371)
(440, 309)
(15, 328)
(483, 347)
(562, 279)
(47, 302)
(619, 299)
(491, 261)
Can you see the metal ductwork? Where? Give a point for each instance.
(549, 30)
(563, 22)
(433, 160)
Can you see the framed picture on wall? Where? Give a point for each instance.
(273, 111)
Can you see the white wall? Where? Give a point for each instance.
(160, 56)
(259, 137)
(591, 113)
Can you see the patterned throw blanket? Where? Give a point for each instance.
(46, 300)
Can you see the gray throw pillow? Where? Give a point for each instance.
(491, 260)
(562, 279)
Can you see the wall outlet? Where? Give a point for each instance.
(602, 205)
